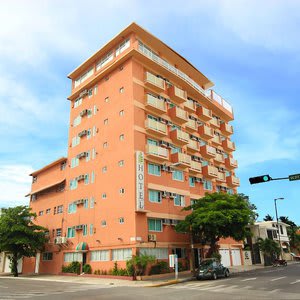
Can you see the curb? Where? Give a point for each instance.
(170, 282)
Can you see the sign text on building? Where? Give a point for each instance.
(140, 185)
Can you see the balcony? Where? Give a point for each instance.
(157, 152)
(179, 137)
(193, 146)
(216, 140)
(231, 163)
(191, 125)
(232, 181)
(214, 123)
(156, 127)
(178, 114)
(181, 159)
(155, 104)
(228, 145)
(210, 172)
(154, 82)
(205, 132)
(219, 158)
(221, 177)
(207, 151)
(226, 129)
(177, 95)
(204, 114)
(190, 105)
(195, 167)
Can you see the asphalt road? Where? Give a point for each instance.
(271, 283)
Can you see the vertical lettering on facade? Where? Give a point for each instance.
(140, 185)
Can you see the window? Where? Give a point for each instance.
(92, 202)
(105, 145)
(89, 113)
(281, 229)
(95, 109)
(154, 169)
(207, 185)
(84, 230)
(63, 166)
(41, 213)
(92, 177)
(47, 256)
(75, 141)
(121, 137)
(159, 253)
(86, 179)
(121, 220)
(71, 232)
(121, 90)
(77, 121)
(181, 252)
(73, 256)
(58, 231)
(93, 153)
(104, 169)
(100, 255)
(84, 77)
(154, 196)
(73, 184)
(179, 200)
(121, 113)
(48, 211)
(105, 60)
(122, 191)
(103, 223)
(72, 207)
(175, 150)
(87, 155)
(152, 142)
(74, 162)
(177, 175)
(95, 89)
(192, 181)
(104, 196)
(193, 201)
(86, 203)
(121, 163)
(105, 122)
(90, 93)
(122, 47)
(204, 163)
(106, 100)
(89, 134)
(91, 229)
(60, 209)
(121, 254)
(155, 225)
(230, 191)
(77, 102)
(94, 130)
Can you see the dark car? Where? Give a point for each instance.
(211, 268)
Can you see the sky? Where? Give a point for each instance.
(250, 49)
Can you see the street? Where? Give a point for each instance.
(268, 283)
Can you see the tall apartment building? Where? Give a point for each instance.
(146, 138)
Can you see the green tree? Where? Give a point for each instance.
(218, 215)
(294, 237)
(138, 263)
(269, 248)
(268, 218)
(19, 235)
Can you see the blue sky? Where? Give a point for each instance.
(249, 49)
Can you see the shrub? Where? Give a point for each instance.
(73, 267)
(159, 268)
(87, 269)
(137, 264)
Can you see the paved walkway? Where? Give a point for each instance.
(166, 280)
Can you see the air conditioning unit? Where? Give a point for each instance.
(193, 138)
(80, 177)
(174, 222)
(172, 195)
(82, 133)
(164, 144)
(79, 201)
(152, 237)
(164, 194)
(78, 227)
(64, 240)
(83, 112)
(199, 180)
(83, 93)
(166, 221)
(196, 158)
(58, 240)
(82, 154)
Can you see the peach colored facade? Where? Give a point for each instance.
(146, 138)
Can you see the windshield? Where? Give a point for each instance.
(206, 263)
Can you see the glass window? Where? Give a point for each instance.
(121, 254)
(105, 121)
(122, 47)
(103, 223)
(94, 130)
(84, 230)
(207, 185)
(75, 141)
(152, 142)
(154, 169)
(121, 163)
(121, 90)
(72, 208)
(177, 175)
(41, 213)
(96, 89)
(93, 153)
(159, 253)
(121, 220)
(71, 232)
(89, 134)
(89, 113)
(91, 229)
(90, 93)
(154, 196)
(48, 211)
(100, 255)
(104, 169)
(155, 225)
(73, 256)
(122, 191)
(192, 181)
(121, 113)
(86, 179)
(77, 121)
(179, 200)
(86, 203)
(106, 100)
(58, 231)
(175, 150)
(121, 137)
(105, 145)
(92, 202)
(92, 177)
(47, 256)
(104, 196)
(73, 184)
(105, 60)
(74, 162)
(60, 209)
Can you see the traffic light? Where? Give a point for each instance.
(259, 179)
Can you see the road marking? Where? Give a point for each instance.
(274, 279)
(274, 291)
(247, 279)
(295, 281)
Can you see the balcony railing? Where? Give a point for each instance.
(157, 151)
(178, 114)
(193, 145)
(204, 113)
(215, 122)
(179, 136)
(177, 94)
(228, 145)
(208, 151)
(231, 163)
(219, 158)
(156, 103)
(196, 167)
(232, 181)
(221, 177)
(181, 159)
(216, 139)
(190, 105)
(226, 129)
(210, 171)
(154, 81)
(191, 124)
(156, 127)
(205, 131)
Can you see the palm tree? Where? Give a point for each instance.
(268, 218)
(269, 248)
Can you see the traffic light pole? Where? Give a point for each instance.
(266, 178)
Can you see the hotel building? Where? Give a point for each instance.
(147, 137)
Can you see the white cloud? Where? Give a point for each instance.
(15, 183)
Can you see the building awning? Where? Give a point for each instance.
(82, 247)
(46, 187)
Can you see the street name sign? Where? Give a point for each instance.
(294, 177)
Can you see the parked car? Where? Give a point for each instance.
(211, 268)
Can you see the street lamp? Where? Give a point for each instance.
(278, 229)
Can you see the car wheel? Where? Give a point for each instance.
(226, 273)
(198, 278)
(214, 276)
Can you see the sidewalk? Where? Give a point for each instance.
(167, 279)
